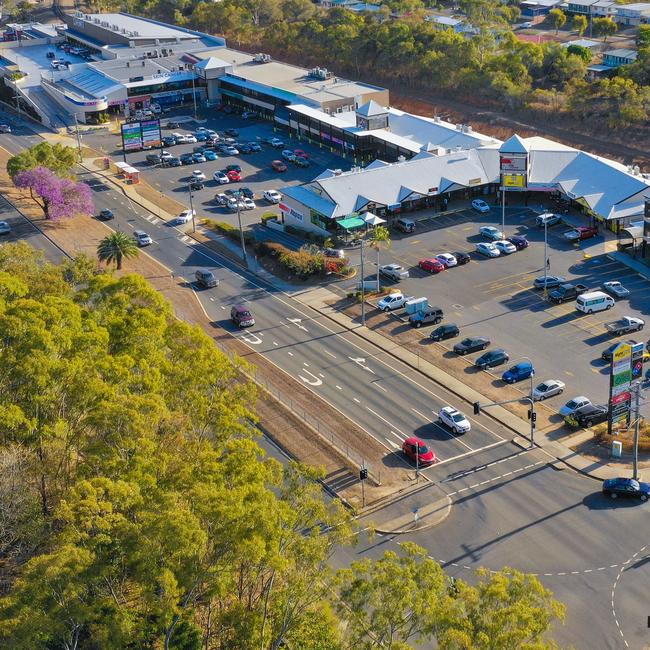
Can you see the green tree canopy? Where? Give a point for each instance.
(580, 24)
(604, 27)
(57, 157)
(557, 18)
(116, 247)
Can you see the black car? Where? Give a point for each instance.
(174, 162)
(587, 416)
(173, 125)
(199, 149)
(233, 168)
(244, 148)
(443, 332)
(608, 352)
(187, 159)
(195, 186)
(233, 133)
(462, 258)
(153, 159)
(518, 241)
(247, 192)
(105, 215)
(231, 192)
(626, 487)
(492, 358)
(471, 344)
(169, 140)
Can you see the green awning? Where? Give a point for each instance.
(351, 223)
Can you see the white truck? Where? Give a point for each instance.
(625, 325)
(393, 301)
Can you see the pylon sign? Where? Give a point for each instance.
(620, 380)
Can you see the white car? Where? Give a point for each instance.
(491, 233)
(179, 137)
(5, 228)
(233, 205)
(231, 151)
(220, 177)
(166, 155)
(454, 419)
(276, 142)
(221, 199)
(185, 216)
(505, 247)
(574, 404)
(394, 271)
(5, 128)
(548, 388)
(548, 218)
(190, 139)
(198, 175)
(488, 249)
(272, 196)
(249, 204)
(526, 25)
(447, 259)
(481, 206)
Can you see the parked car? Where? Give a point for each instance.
(169, 141)
(221, 177)
(254, 146)
(505, 247)
(431, 265)
(301, 162)
(462, 258)
(471, 344)
(587, 416)
(153, 158)
(567, 291)
(580, 233)
(185, 216)
(198, 157)
(205, 278)
(233, 168)
(405, 225)
(231, 151)
(245, 149)
(337, 253)
(247, 192)
(491, 233)
(276, 143)
(233, 176)
(187, 159)
(550, 281)
(233, 133)
(616, 289)
(278, 166)
(447, 260)
(5, 228)
(394, 272)
(430, 316)
(488, 249)
(190, 139)
(547, 389)
(574, 404)
(299, 153)
(142, 238)
(518, 372)
(198, 175)
(393, 301)
(241, 316)
(547, 218)
(626, 487)
(418, 452)
(105, 215)
(448, 331)
(175, 162)
(481, 206)
(492, 358)
(272, 196)
(519, 242)
(454, 419)
(288, 155)
(608, 352)
(625, 325)
(221, 198)
(249, 204)
(210, 155)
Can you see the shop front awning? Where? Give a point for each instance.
(372, 219)
(351, 223)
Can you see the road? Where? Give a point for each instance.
(510, 506)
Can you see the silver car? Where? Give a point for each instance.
(5, 228)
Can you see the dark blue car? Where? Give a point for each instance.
(522, 370)
(518, 241)
(626, 487)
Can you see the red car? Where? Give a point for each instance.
(299, 153)
(279, 166)
(233, 176)
(418, 452)
(431, 265)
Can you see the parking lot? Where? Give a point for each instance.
(494, 297)
(256, 171)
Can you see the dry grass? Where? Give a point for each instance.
(625, 436)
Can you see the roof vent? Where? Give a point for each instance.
(337, 172)
(637, 170)
(436, 119)
(459, 127)
(401, 159)
(262, 58)
(469, 129)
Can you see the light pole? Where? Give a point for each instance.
(76, 124)
(241, 231)
(194, 92)
(532, 406)
(363, 291)
(503, 208)
(192, 208)
(637, 394)
(545, 257)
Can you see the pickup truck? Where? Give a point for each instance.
(580, 233)
(393, 301)
(394, 272)
(567, 292)
(625, 325)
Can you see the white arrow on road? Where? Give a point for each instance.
(315, 382)
(360, 361)
(296, 322)
(251, 338)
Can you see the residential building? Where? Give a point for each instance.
(617, 58)
(637, 13)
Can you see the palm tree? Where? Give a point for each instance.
(379, 238)
(115, 247)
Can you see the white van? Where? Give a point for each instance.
(594, 301)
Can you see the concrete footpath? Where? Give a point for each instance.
(320, 299)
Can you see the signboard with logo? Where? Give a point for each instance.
(131, 136)
(288, 210)
(620, 398)
(151, 133)
(512, 162)
(514, 181)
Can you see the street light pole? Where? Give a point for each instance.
(194, 94)
(241, 231)
(192, 209)
(363, 291)
(76, 124)
(637, 391)
(545, 257)
(503, 208)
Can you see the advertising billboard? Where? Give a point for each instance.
(131, 136)
(620, 398)
(151, 134)
(513, 163)
(514, 181)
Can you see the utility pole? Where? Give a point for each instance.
(194, 93)
(503, 208)
(363, 291)
(241, 231)
(76, 124)
(545, 258)
(192, 208)
(637, 415)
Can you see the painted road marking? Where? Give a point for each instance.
(386, 421)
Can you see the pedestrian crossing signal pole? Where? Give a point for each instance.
(363, 475)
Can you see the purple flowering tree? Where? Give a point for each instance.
(57, 197)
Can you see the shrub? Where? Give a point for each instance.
(229, 231)
(271, 248)
(267, 216)
(301, 262)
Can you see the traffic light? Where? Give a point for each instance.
(477, 408)
(363, 473)
(532, 415)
